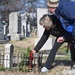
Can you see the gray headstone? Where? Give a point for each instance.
(14, 25)
(1, 32)
(13, 22)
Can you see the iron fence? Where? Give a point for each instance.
(22, 63)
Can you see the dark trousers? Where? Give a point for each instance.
(53, 51)
(72, 51)
(52, 54)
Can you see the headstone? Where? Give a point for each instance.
(28, 29)
(48, 45)
(6, 32)
(40, 13)
(14, 26)
(1, 32)
(8, 58)
(24, 24)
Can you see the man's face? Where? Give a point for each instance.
(46, 22)
(47, 27)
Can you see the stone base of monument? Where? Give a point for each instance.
(15, 37)
(21, 36)
(3, 41)
(48, 45)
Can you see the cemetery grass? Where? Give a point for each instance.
(60, 63)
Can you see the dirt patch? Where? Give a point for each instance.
(27, 42)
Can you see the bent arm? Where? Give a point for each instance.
(67, 37)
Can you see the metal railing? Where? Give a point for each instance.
(22, 63)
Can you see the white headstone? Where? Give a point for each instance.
(8, 58)
(28, 27)
(49, 44)
(40, 13)
(24, 24)
(6, 31)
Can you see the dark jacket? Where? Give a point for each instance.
(56, 31)
(58, 9)
(66, 13)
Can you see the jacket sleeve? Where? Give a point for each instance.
(67, 36)
(42, 41)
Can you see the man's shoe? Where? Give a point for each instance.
(73, 66)
(69, 72)
(44, 69)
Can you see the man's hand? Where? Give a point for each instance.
(32, 52)
(60, 39)
(31, 57)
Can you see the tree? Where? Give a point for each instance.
(8, 6)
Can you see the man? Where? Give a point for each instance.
(53, 26)
(66, 14)
(52, 4)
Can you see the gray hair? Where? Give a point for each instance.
(45, 21)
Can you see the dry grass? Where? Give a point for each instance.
(29, 42)
(55, 71)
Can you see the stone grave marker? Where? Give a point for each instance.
(14, 26)
(1, 32)
(8, 57)
(24, 24)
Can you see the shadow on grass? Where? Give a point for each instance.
(61, 62)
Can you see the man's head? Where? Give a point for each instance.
(52, 4)
(46, 21)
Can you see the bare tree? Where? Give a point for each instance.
(8, 6)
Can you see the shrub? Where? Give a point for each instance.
(23, 64)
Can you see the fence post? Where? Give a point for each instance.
(8, 56)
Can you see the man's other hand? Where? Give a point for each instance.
(60, 39)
